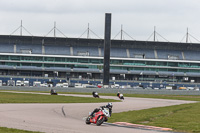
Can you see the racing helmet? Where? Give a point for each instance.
(109, 105)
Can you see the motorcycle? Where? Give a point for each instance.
(53, 92)
(121, 96)
(99, 117)
(95, 95)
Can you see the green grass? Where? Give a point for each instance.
(183, 118)
(6, 97)
(12, 130)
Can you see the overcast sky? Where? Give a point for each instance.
(138, 17)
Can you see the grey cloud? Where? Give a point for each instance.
(171, 17)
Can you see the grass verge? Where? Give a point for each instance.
(12, 130)
(182, 118)
(6, 97)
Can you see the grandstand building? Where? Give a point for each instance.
(78, 57)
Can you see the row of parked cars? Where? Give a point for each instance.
(89, 85)
(35, 83)
(173, 88)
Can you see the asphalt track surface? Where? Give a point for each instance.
(69, 118)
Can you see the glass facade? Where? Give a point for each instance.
(97, 63)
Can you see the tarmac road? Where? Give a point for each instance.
(69, 118)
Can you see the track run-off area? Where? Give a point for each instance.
(70, 117)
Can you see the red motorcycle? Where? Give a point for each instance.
(99, 117)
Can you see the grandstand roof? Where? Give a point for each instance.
(11, 39)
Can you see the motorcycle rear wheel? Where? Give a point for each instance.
(99, 122)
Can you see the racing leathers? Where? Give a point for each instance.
(101, 107)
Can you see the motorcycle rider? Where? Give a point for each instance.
(53, 92)
(118, 93)
(94, 93)
(109, 106)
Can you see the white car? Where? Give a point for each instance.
(190, 88)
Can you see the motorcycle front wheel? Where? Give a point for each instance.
(87, 121)
(100, 121)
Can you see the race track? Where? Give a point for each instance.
(69, 118)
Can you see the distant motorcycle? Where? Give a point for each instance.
(95, 94)
(99, 117)
(53, 92)
(121, 96)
